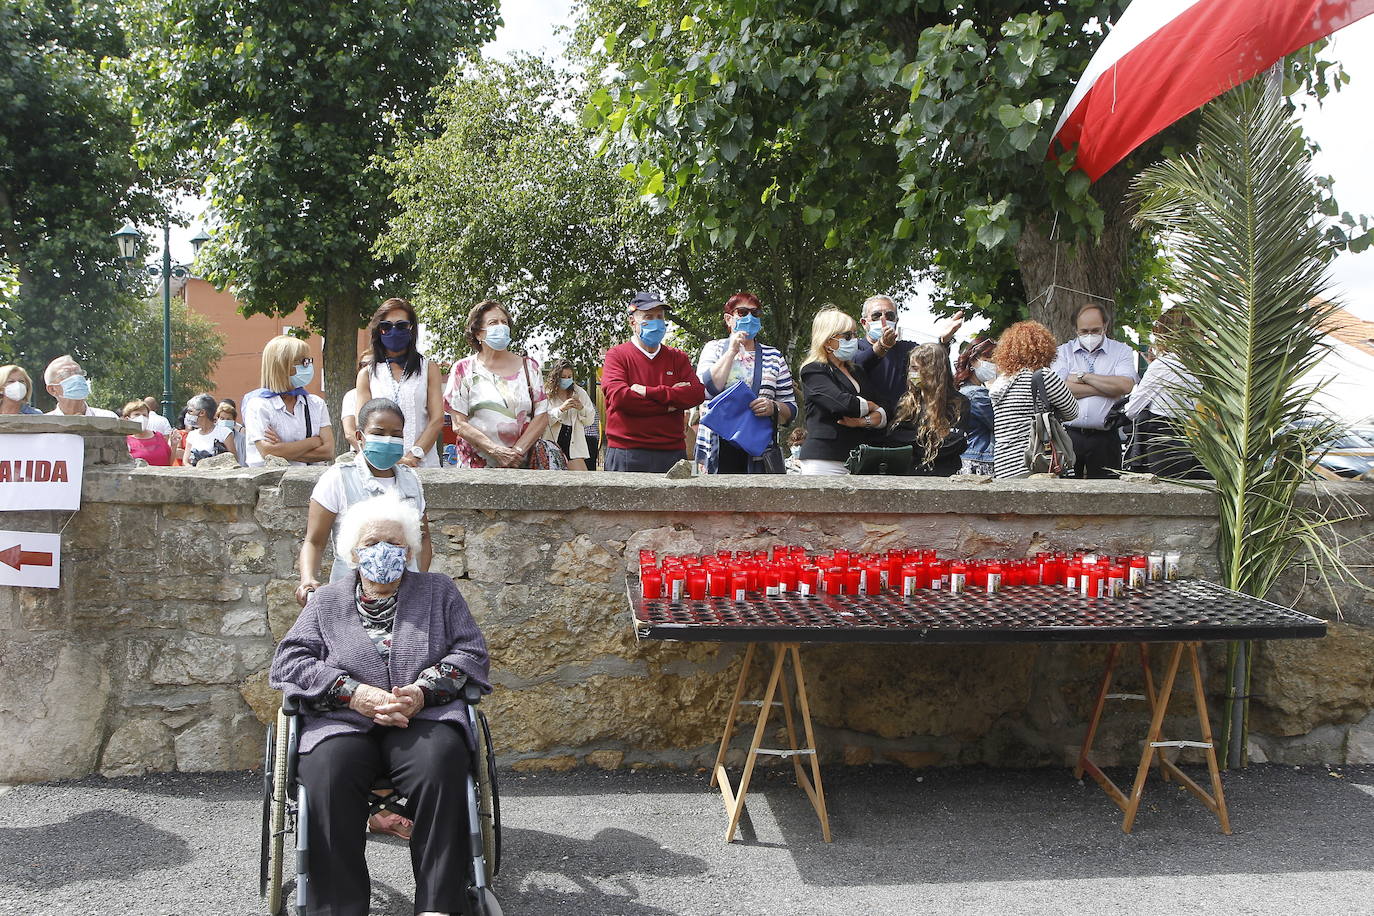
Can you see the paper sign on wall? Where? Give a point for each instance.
(30, 558)
(40, 471)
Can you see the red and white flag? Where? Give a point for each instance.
(1165, 58)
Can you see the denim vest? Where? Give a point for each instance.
(360, 484)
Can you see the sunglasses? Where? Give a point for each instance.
(847, 335)
(385, 326)
(744, 311)
(308, 361)
(890, 316)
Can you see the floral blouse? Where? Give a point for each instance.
(498, 405)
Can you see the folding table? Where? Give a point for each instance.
(1180, 615)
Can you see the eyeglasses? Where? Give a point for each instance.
(847, 335)
(744, 311)
(402, 325)
(890, 316)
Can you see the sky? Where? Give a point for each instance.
(1340, 126)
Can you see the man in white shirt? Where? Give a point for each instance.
(157, 422)
(66, 381)
(1098, 371)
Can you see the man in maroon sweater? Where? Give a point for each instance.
(647, 387)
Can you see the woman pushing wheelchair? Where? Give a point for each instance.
(375, 662)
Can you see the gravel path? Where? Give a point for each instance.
(634, 844)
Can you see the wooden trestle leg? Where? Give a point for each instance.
(777, 685)
(1153, 751)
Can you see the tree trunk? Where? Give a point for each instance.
(341, 323)
(1076, 267)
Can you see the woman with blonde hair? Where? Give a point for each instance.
(1024, 351)
(932, 418)
(841, 414)
(570, 410)
(281, 418)
(16, 391)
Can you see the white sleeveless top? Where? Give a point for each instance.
(412, 395)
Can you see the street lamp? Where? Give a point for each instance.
(128, 238)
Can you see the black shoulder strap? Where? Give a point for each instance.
(309, 430)
(1038, 394)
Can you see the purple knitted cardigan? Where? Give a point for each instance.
(433, 624)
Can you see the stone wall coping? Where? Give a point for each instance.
(542, 491)
(187, 486)
(45, 423)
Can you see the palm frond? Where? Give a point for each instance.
(1242, 217)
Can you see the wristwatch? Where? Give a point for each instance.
(417, 452)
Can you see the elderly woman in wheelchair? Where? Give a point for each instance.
(374, 664)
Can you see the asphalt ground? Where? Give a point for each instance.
(941, 841)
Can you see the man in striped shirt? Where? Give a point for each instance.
(1098, 371)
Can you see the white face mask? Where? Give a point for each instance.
(985, 372)
(1090, 341)
(16, 391)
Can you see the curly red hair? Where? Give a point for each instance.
(1025, 345)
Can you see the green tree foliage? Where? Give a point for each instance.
(906, 132)
(67, 180)
(508, 200)
(288, 109)
(131, 365)
(1243, 216)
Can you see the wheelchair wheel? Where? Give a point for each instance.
(488, 801)
(274, 826)
(269, 758)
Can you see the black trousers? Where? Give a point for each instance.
(428, 763)
(1095, 451)
(593, 447)
(644, 460)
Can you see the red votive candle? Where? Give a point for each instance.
(739, 585)
(852, 578)
(1073, 571)
(809, 580)
(696, 584)
(1137, 571)
(1116, 581)
(992, 578)
(958, 577)
(720, 582)
(772, 581)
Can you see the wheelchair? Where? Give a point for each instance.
(285, 803)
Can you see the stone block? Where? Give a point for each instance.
(282, 608)
(1323, 745)
(50, 731)
(138, 747)
(1359, 746)
(606, 760)
(532, 632)
(508, 553)
(262, 699)
(916, 760)
(244, 621)
(560, 764)
(255, 654)
(857, 755)
(249, 555)
(219, 743)
(582, 561)
(192, 659)
(127, 615)
(1301, 684)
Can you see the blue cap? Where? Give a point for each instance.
(644, 301)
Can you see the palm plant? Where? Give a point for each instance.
(1241, 215)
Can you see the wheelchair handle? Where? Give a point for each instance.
(290, 705)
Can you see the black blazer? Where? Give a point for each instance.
(829, 397)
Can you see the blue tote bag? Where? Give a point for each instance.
(730, 418)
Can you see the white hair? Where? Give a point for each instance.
(384, 507)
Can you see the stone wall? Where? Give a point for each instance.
(176, 585)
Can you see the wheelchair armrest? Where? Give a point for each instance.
(290, 705)
(472, 693)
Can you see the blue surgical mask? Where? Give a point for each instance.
(190, 420)
(749, 325)
(225, 424)
(498, 336)
(303, 375)
(651, 332)
(397, 339)
(847, 349)
(565, 383)
(382, 452)
(76, 388)
(875, 331)
(986, 372)
(382, 562)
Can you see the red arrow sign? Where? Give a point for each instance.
(16, 558)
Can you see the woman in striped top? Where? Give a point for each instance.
(740, 357)
(1024, 349)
